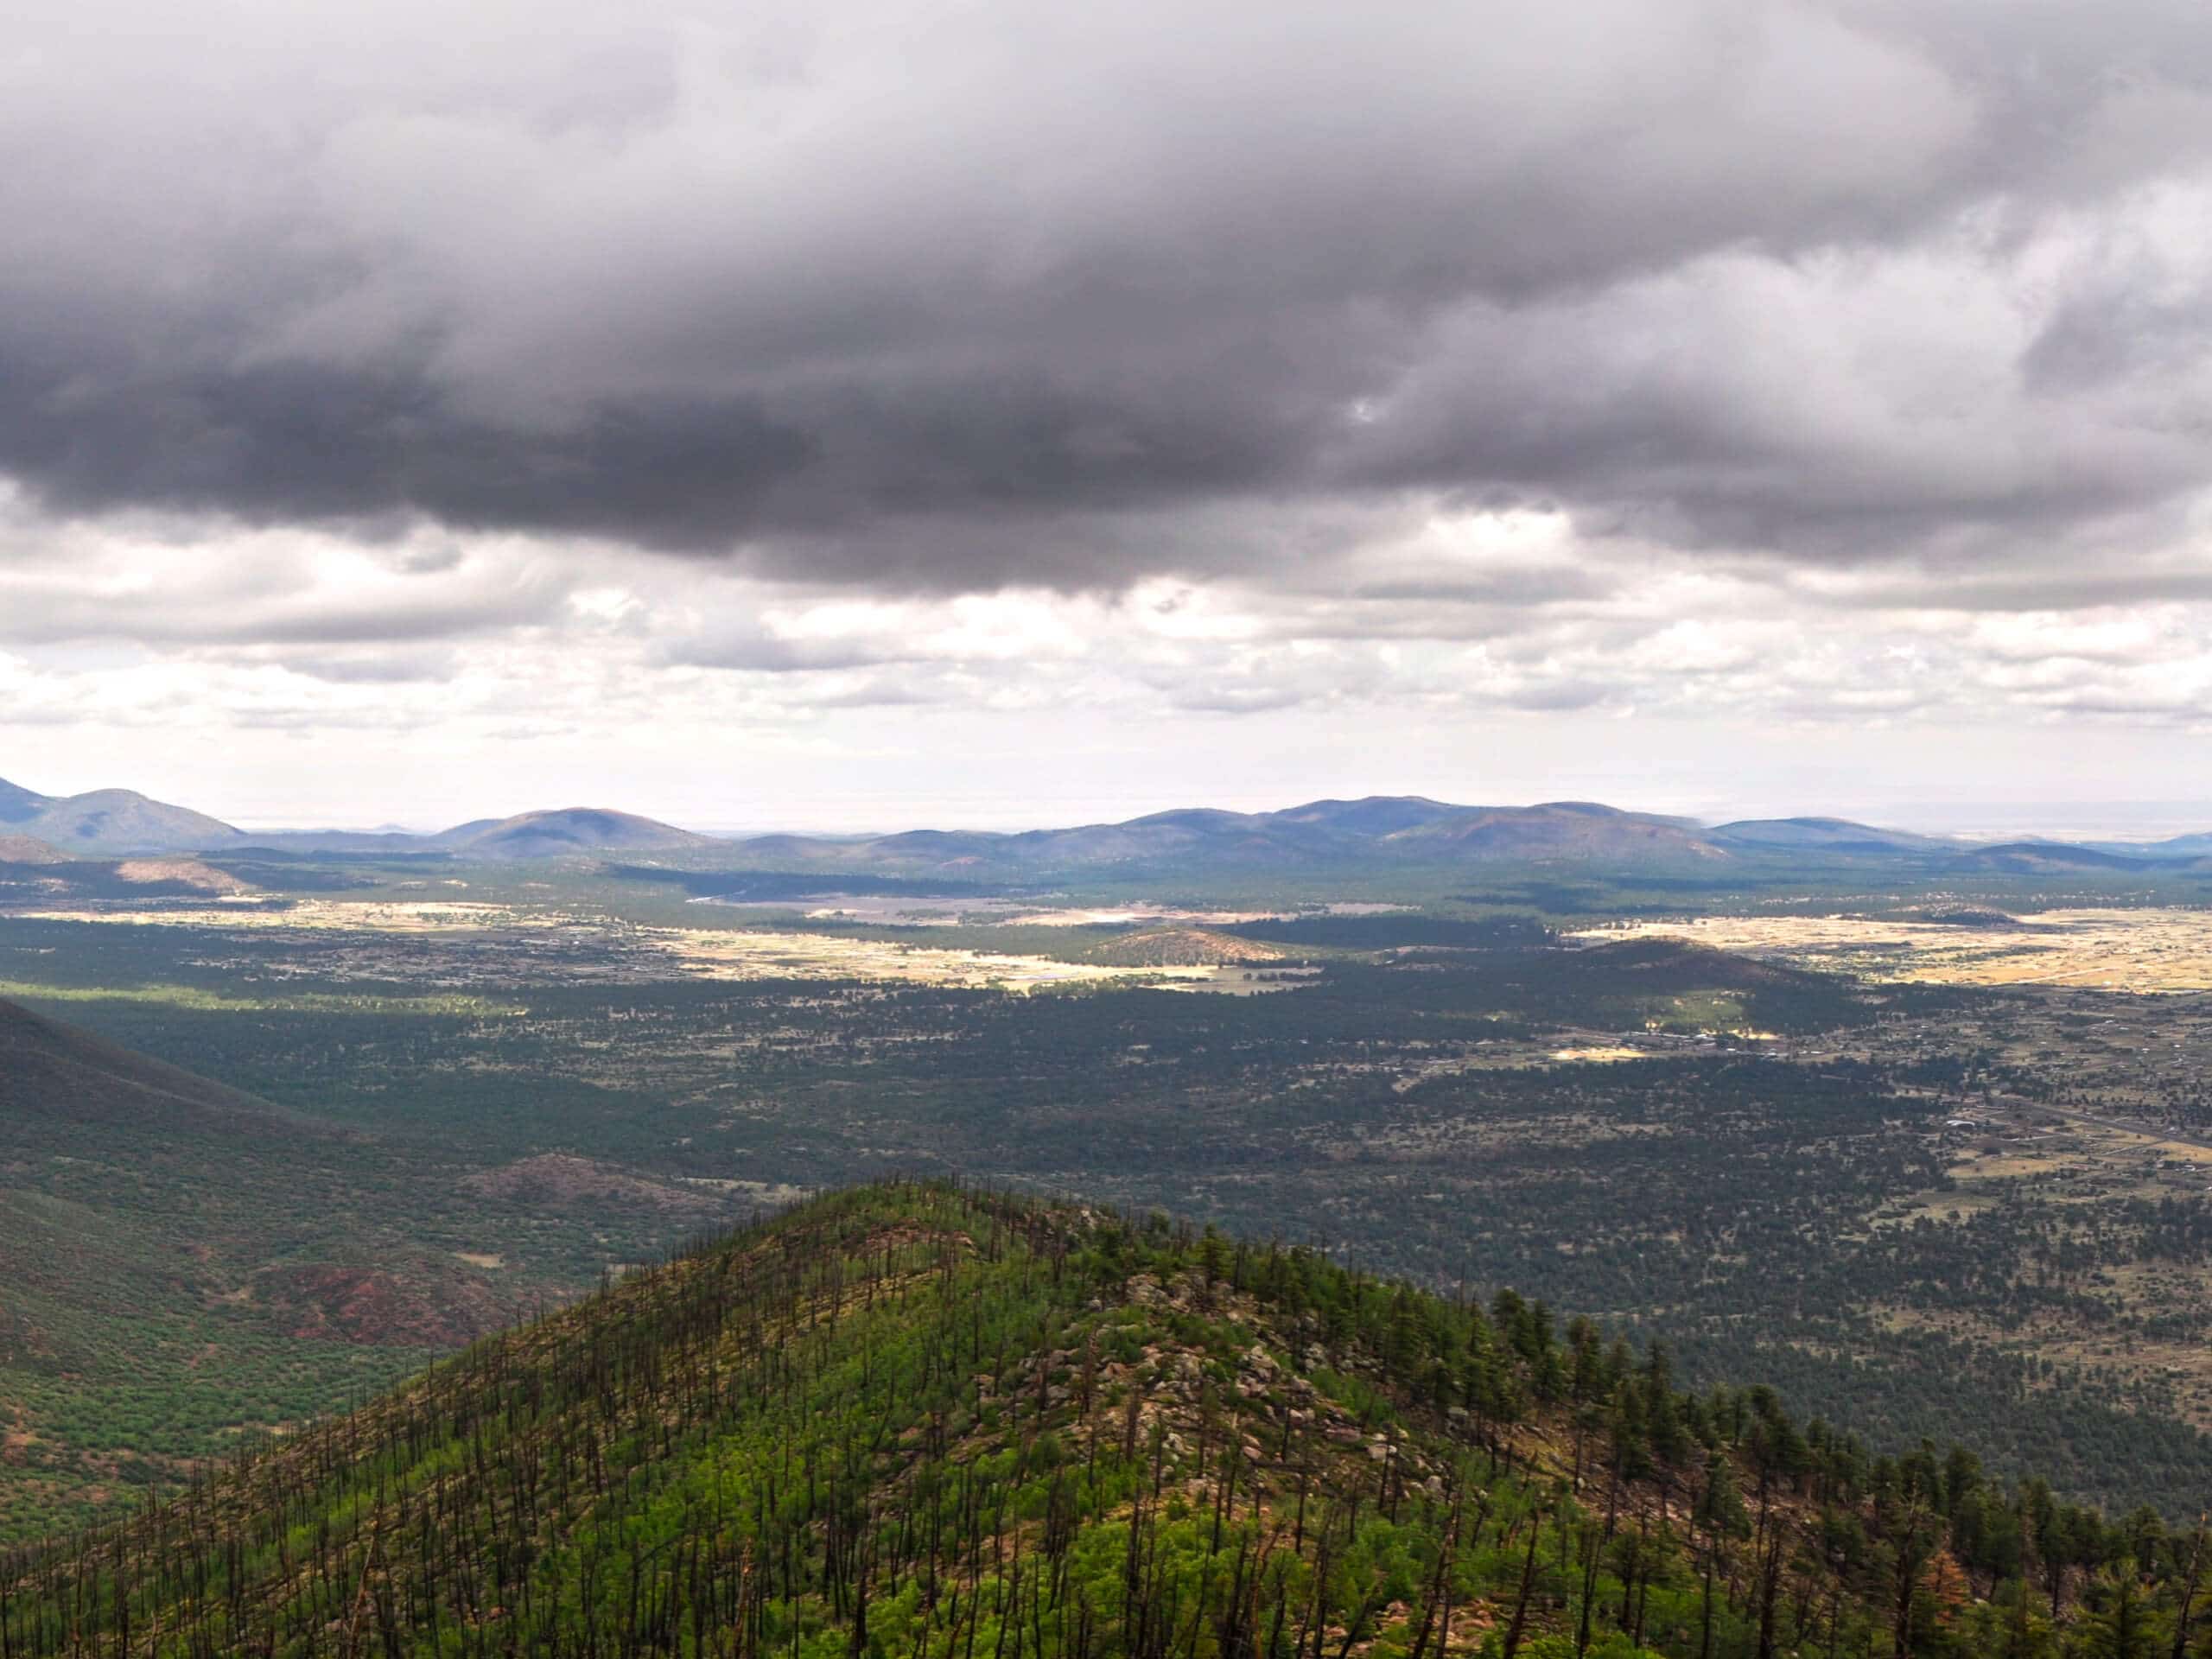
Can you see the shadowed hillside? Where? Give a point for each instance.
(181, 1261)
(50, 1071)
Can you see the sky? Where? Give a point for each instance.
(1002, 413)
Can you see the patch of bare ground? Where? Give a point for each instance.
(560, 1179)
(16, 1441)
(180, 871)
(2164, 950)
(376, 1308)
(752, 955)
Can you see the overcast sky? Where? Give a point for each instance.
(994, 413)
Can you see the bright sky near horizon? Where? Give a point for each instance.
(1012, 414)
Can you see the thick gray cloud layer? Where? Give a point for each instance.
(952, 296)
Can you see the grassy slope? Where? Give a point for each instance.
(908, 1421)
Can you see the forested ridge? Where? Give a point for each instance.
(913, 1420)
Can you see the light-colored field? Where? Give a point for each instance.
(712, 953)
(360, 915)
(826, 956)
(264, 1000)
(894, 912)
(1134, 915)
(1143, 913)
(2146, 951)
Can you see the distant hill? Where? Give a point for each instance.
(192, 874)
(1374, 814)
(18, 805)
(561, 833)
(2042, 857)
(461, 834)
(908, 1421)
(2198, 845)
(35, 865)
(1184, 947)
(1829, 834)
(567, 831)
(1316, 836)
(112, 821)
(1573, 831)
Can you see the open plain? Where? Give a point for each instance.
(2149, 951)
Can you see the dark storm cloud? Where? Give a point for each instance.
(937, 298)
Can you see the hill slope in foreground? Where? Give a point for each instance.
(181, 1261)
(909, 1420)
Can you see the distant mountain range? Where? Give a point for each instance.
(1394, 830)
(38, 829)
(1415, 832)
(1402, 830)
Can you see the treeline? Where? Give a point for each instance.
(910, 1420)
